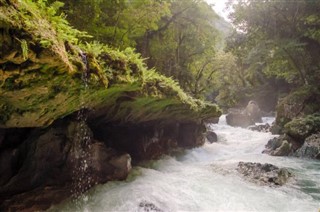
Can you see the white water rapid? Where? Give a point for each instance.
(205, 179)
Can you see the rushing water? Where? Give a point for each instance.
(204, 179)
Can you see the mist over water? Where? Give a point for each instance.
(205, 179)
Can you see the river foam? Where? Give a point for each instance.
(204, 179)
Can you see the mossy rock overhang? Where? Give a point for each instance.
(42, 83)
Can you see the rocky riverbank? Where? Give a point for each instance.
(298, 123)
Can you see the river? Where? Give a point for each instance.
(205, 179)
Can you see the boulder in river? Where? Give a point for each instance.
(253, 111)
(310, 148)
(249, 116)
(211, 136)
(146, 206)
(238, 120)
(280, 146)
(264, 174)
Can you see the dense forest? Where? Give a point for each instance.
(270, 49)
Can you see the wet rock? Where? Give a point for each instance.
(56, 157)
(310, 148)
(211, 136)
(239, 120)
(191, 135)
(146, 206)
(260, 128)
(152, 139)
(283, 150)
(107, 164)
(275, 129)
(264, 174)
(280, 146)
(249, 116)
(301, 128)
(253, 111)
(39, 199)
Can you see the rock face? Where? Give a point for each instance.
(249, 116)
(264, 174)
(310, 148)
(54, 157)
(151, 139)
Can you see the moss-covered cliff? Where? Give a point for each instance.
(46, 74)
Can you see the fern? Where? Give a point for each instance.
(24, 48)
(94, 48)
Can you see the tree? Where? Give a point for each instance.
(284, 36)
(184, 45)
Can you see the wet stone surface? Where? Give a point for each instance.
(264, 174)
(145, 206)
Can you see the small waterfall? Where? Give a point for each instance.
(82, 179)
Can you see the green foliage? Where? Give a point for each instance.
(276, 47)
(112, 22)
(34, 11)
(184, 45)
(94, 48)
(282, 36)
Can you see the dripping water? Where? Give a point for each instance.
(81, 178)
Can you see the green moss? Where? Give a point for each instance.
(301, 128)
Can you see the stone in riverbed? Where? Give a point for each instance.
(211, 136)
(264, 174)
(238, 120)
(260, 128)
(280, 146)
(145, 206)
(249, 116)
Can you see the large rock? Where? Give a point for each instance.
(301, 128)
(239, 120)
(310, 148)
(264, 174)
(211, 136)
(253, 111)
(249, 116)
(281, 146)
